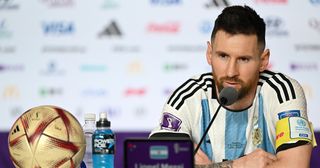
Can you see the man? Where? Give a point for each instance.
(266, 127)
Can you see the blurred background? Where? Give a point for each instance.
(126, 57)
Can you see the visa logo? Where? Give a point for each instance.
(165, 2)
(159, 152)
(58, 28)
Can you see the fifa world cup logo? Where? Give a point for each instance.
(169, 122)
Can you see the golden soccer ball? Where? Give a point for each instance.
(46, 136)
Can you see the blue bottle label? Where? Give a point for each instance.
(103, 161)
(103, 144)
(103, 149)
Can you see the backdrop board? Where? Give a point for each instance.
(126, 57)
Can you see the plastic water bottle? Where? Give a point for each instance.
(103, 141)
(88, 128)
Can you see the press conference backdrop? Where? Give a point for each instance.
(126, 57)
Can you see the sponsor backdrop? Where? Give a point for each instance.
(126, 57)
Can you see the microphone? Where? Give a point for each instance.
(227, 97)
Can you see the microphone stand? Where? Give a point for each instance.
(227, 97)
(205, 133)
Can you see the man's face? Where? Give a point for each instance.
(236, 62)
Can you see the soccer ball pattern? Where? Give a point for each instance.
(46, 136)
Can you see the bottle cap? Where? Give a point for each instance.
(103, 121)
(90, 116)
(103, 115)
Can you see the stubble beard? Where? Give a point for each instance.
(242, 91)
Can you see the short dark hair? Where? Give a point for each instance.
(241, 20)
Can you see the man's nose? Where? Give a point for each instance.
(232, 69)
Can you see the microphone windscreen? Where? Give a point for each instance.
(228, 96)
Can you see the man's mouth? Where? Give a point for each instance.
(230, 83)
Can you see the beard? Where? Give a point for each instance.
(242, 91)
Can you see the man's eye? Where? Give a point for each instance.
(244, 59)
(223, 56)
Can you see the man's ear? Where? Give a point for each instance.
(264, 60)
(209, 52)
